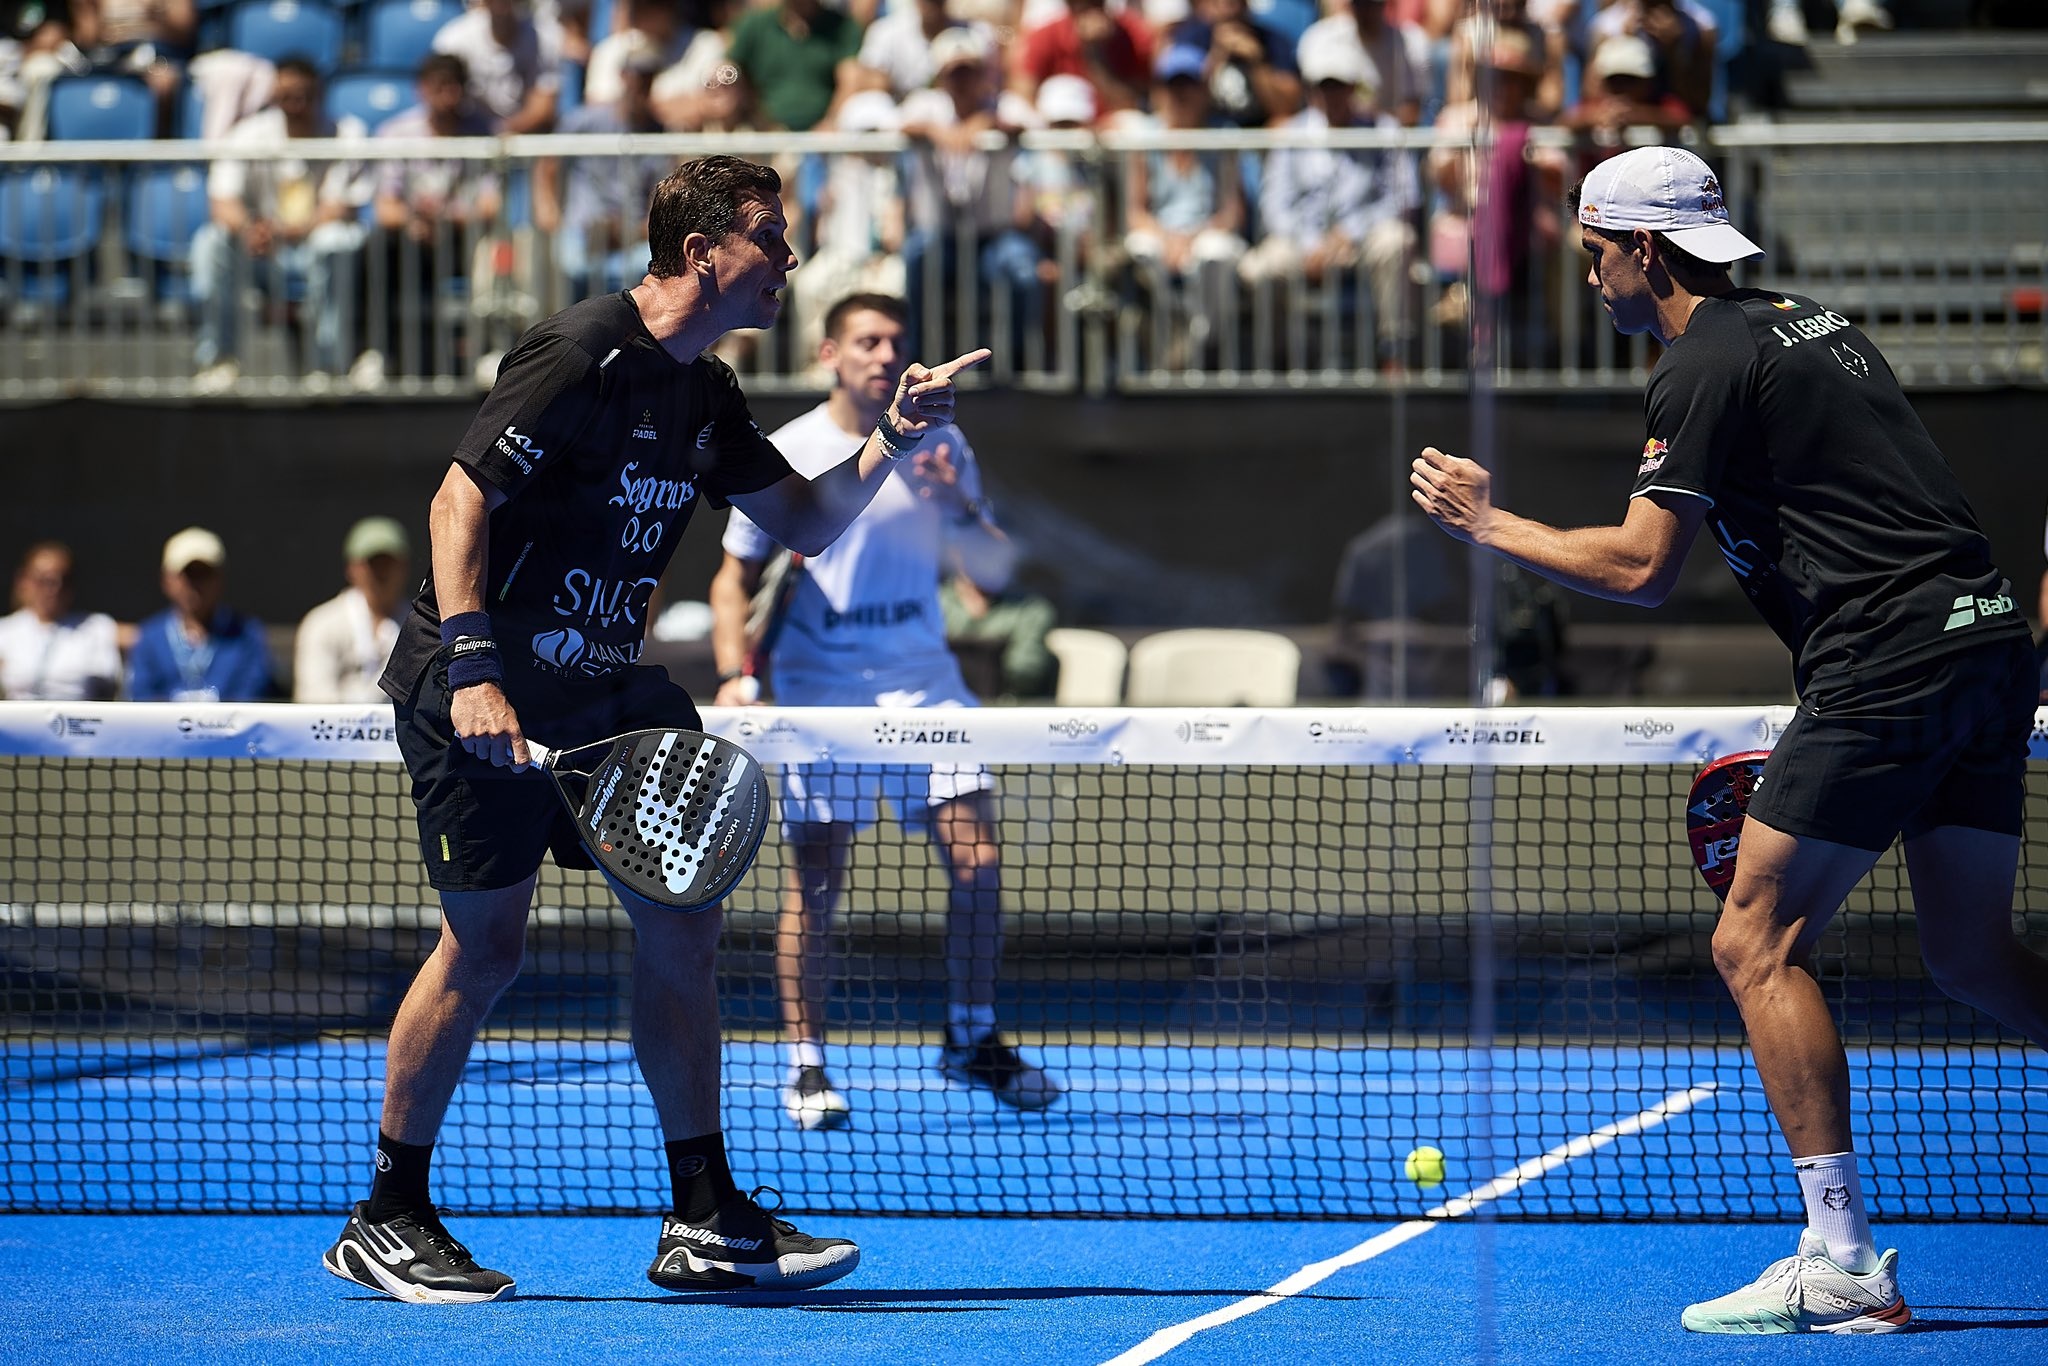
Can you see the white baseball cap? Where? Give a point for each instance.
(1667, 190)
(194, 545)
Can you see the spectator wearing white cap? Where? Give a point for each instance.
(1056, 180)
(860, 224)
(1327, 210)
(1619, 91)
(1787, 22)
(1394, 55)
(48, 652)
(1185, 208)
(1683, 36)
(199, 649)
(952, 179)
(343, 644)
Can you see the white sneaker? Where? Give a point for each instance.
(1855, 14)
(217, 378)
(1787, 26)
(813, 1103)
(1807, 1293)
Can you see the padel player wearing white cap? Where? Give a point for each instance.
(1775, 424)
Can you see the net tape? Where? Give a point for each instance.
(1242, 939)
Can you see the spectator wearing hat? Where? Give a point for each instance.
(952, 179)
(48, 652)
(1682, 34)
(1394, 56)
(860, 224)
(1112, 51)
(1057, 181)
(1327, 210)
(1620, 91)
(1247, 65)
(1185, 208)
(199, 649)
(598, 211)
(343, 643)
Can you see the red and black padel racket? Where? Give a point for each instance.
(1714, 811)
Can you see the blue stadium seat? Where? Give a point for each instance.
(400, 33)
(287, 28)
(50, 217)
(165, 206)
(368, 96)
(94, 107)
(191, 111)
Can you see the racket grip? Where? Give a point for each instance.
(538, 754)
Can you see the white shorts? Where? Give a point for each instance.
(852, 794)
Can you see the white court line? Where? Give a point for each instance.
(1166, 1339)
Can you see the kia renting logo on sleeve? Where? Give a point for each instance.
(515, 446)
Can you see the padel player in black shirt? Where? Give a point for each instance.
(608, 426)
(1776, 426)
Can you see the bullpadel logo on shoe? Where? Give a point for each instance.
(678, 1229)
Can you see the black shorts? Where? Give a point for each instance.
(1942, 743)
(483, 827)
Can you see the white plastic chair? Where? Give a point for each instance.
(1091, 667)
(1202, 668)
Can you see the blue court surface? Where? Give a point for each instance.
(1642, 1145)
(249, 1289)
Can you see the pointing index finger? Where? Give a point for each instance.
(959, 363)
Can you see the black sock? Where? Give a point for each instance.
(400, 1186)
(699, 1179)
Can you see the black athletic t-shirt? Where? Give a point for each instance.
(1830, 502)
(603, 445)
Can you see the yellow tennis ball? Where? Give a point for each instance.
(1425, 1167)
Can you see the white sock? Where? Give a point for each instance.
(1834, 1209)
(969, 1024)
(805, 1053)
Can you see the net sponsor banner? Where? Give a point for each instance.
(1311, 736)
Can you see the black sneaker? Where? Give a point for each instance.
(997, 1068)
(744, 1247)
(813, 1103)
(414, 1258)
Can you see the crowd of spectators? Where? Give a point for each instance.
(944, 73)
(200, 647)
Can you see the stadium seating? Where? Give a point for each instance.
(277, 29)
(399, 33)
(163, 208)
(50, 218)
(1201, 668)
(369, 96)
(101, 106)
(1091, 667)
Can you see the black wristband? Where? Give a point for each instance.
(894, 444)
(473, 656)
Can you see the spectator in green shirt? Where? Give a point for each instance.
(797, 58)
(1011, 625)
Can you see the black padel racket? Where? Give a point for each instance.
(1714, 812)
(672, 815)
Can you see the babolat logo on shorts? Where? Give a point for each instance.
(1967, 608)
